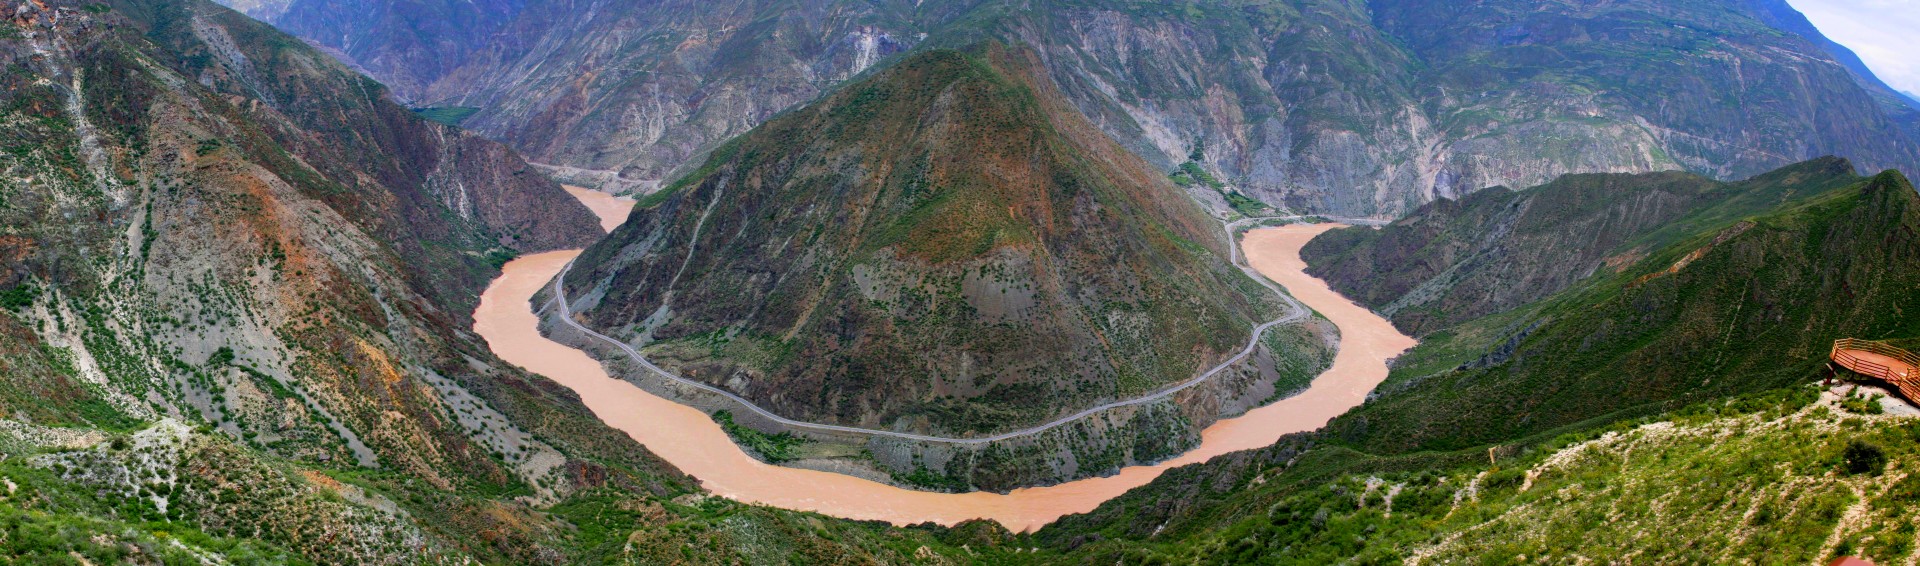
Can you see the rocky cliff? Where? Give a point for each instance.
(215, 234)
(1317, 106)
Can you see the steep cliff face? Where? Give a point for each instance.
(1453, 261)
(1702, 85)
(395, 175)
(1313, 105)
(933, 247)
(616, 94)
(1903, 107)
(206, 222)
(409, 46)
(657, 84)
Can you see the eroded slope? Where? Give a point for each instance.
(936, 247)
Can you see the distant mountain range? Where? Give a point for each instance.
(1310, 105)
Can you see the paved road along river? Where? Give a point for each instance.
(691, 441)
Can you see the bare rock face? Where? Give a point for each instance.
(1310, 105)
(614, 94)
(205, 222)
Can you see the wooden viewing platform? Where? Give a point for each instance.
(1881, 361)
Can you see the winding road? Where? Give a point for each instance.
(1295, 313)
(690, 440)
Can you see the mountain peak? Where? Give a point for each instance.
(925, 247)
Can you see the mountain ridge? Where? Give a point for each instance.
(932, 210)
(1312, 106)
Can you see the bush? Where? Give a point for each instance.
(220, 357)
(1863, 458)
(19, 296)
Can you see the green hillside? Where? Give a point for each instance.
(929, 248)
(1748, 316)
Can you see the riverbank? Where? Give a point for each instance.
(693, 442)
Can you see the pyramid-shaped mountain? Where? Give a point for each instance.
(943, 246)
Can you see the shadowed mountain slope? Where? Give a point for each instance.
(1453, 261)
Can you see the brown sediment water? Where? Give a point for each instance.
(612, 210)
(691, 441)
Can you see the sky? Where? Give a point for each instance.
(1885, 33)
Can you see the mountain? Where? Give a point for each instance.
(622, 95)
(1663, 410)
(1780, 15)
(233, 278)
(1449, 262)
(1738, 304)
(929, 248)
(237, 280)
(1316, 106)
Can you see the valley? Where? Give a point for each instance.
(952, 282)
(688, 439)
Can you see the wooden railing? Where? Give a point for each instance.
(1846, 353)
(1843, 352)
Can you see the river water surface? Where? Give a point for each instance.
(691, 441)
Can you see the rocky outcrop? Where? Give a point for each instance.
(1310, 105)
(204, 220)
(619, 95)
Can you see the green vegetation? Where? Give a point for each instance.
(449, 115)
(19, 296)
(1444, 266)
(1571, 389)
(1770, 474)
(1630, 343)
(1009, 248)
(924, 478)
(220, 357)
(65, 536)
(774, 448)
(1193, 173)
(1558, 392)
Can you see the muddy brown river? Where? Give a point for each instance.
(691, 441)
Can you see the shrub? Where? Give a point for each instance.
(1863, 458)
(220, 357)
(19, 296)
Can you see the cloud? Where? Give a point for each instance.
(1885, 33)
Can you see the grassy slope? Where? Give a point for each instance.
(1756, 309)
(96, 495)
(1450, 262)
(1765, 475)
(943, 174)
(1833, 264)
